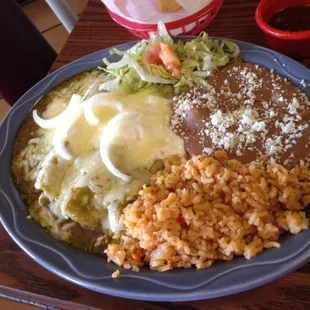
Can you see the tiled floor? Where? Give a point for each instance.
(51, 28)
(46, 21)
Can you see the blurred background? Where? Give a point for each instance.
(49, 25)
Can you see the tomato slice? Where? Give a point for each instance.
(170, 59)
(151, 55)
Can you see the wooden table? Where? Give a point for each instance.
(25, 281)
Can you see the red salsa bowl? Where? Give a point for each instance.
(293, 43)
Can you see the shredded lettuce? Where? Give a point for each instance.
(162, 35)
(199, 58)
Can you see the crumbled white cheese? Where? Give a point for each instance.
(289, 127)
(208, 151)
(272, 113)
(217, 118)
(273, 146)
(248, 117)
(293, 106)
(259, 126)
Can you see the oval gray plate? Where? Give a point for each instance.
(93, 272)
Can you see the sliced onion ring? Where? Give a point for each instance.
(63, 129)
(103, 100)
(57, 120)
(105, 142)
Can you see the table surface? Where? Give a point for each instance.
(23, 280)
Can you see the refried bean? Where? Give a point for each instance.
(248, 111)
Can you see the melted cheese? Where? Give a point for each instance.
(134, 146)
(56, 106)
(158, 140)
